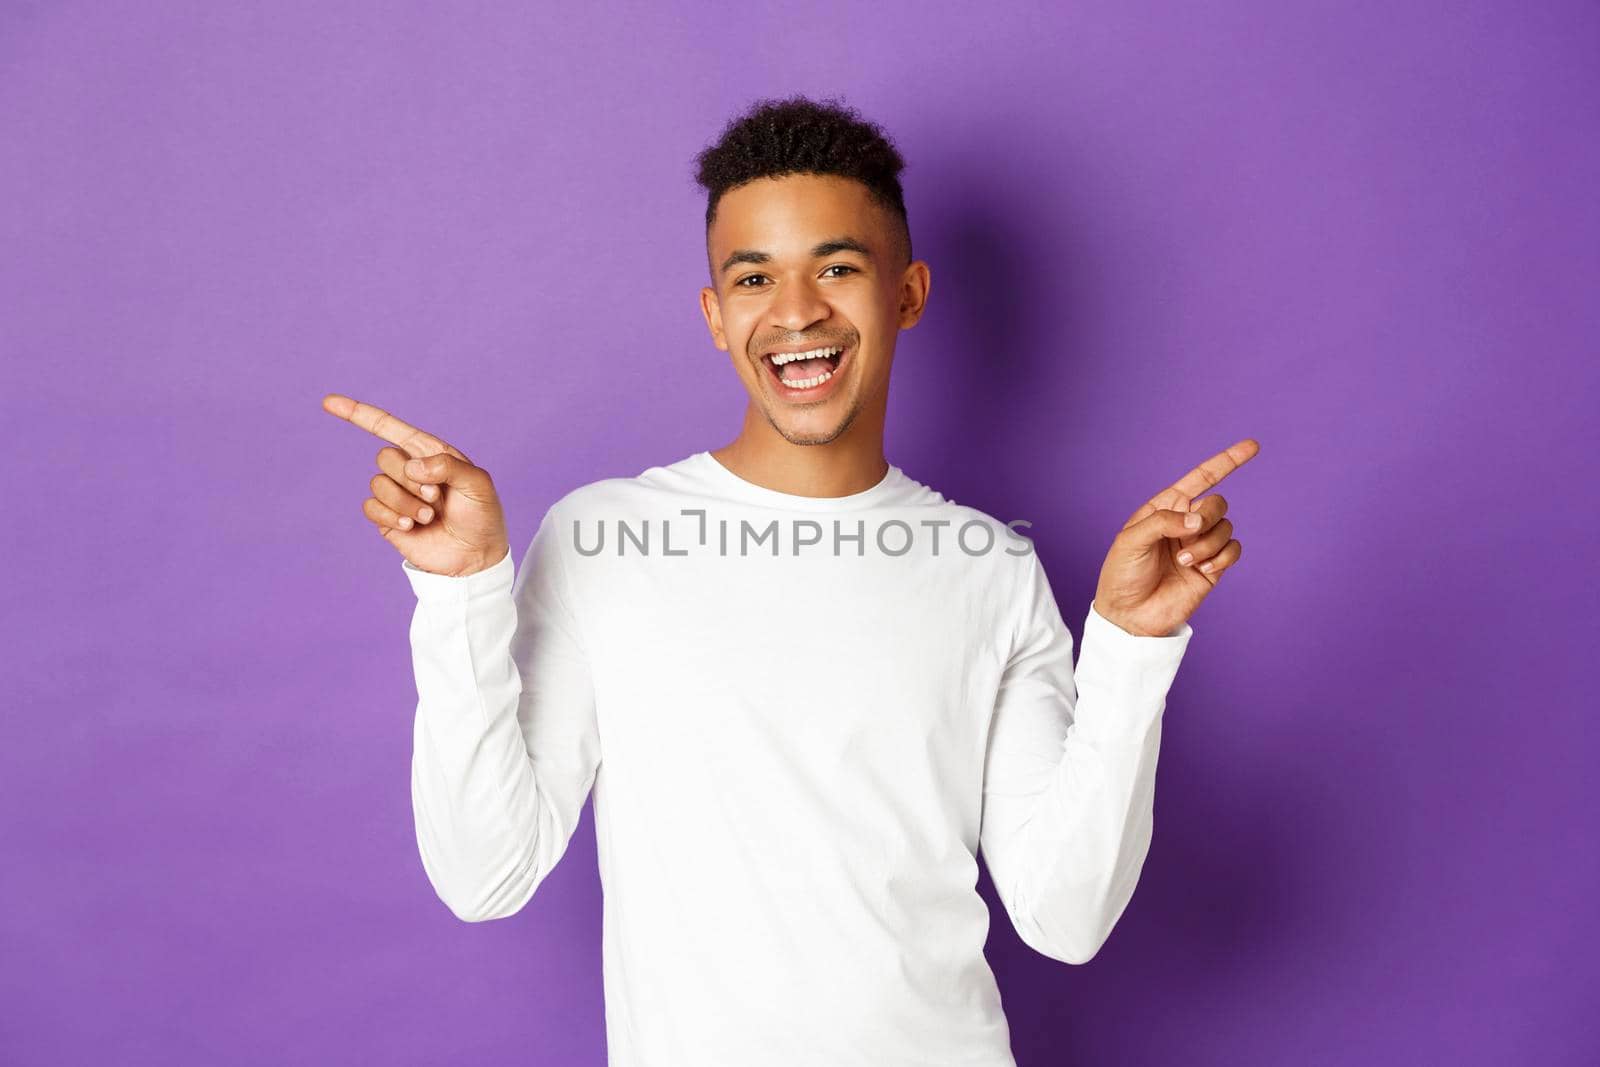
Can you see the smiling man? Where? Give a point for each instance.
(805, 690)
(811, 323)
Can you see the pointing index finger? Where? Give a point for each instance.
(417, 443)
(1215, 469)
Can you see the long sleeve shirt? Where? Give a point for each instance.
(802, 719)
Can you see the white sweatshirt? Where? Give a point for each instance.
(795, 754)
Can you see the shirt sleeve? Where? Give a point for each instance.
(505, 742)
(1069, 772)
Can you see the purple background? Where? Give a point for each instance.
(1367, 236)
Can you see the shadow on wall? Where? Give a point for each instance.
(989, 370)
(1225, 906)
(965, 368)
(986, 370)
(997, 381)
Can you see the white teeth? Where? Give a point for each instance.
(781, 358)
(807, 383)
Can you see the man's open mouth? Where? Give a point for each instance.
(796, 371)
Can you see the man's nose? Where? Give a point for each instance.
(797, 305)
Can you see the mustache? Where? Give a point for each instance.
(844, 341)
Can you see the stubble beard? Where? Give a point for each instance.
(812, 437)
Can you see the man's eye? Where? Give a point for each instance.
(751, 277)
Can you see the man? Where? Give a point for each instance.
(804, 688)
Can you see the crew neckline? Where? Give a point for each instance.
(744, 489)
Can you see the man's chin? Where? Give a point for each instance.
(808, 439)
(801, 430)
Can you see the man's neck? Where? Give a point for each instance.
(851, 463)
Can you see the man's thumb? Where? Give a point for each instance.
(442, 468)
(1165, 523)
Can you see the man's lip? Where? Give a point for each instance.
(783, 350)
(845, 352)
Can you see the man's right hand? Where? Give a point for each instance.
(438, 510)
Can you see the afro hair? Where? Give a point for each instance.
(797, 135)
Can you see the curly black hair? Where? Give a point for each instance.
(797, 135)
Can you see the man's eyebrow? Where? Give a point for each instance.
(825, 248)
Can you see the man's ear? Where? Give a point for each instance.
(711, 308)
(914, 286)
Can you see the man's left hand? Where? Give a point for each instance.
(1160, 568)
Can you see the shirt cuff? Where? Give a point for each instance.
(434, 588)
(1114, 631)
(1122, 679)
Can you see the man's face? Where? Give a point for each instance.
(804, 262)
